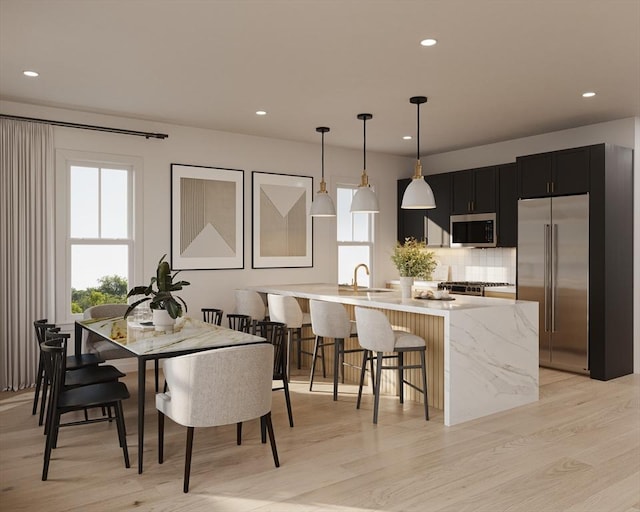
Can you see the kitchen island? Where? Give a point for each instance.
(482, 352)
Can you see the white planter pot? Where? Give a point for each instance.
(162, 321)
(405, 286)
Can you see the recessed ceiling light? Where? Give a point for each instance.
(261, 112)
(30, 73)
(589, 94)
(407, 137)
(428, 42)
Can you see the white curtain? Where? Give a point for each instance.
(26, 231)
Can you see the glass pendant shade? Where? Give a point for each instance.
(322, 205)
(418, 195)
(364, 200)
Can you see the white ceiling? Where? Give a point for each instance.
(502, 68)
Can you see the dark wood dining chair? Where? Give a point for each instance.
(212, 315)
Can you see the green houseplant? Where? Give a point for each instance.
(159, 292)
(412, 261)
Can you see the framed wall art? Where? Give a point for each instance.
(207, 217)
(282, 227)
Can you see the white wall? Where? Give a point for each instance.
(194, 146)
(623, 132)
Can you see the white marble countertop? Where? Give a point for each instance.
(384, 298)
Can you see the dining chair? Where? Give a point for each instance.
(285, 309)
(61, 401)
(376, 336)
(214, 388)
(212, 315)
(273, 332)
(72, 362)
(239, 322)
(330, 320)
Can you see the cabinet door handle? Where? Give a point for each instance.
(548, 187)
(553, 187)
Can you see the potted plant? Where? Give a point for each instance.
(165, 306)
(412, 260)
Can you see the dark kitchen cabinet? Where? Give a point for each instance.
(558, 173)
(431, 226)
(473, 191)
(507, 214)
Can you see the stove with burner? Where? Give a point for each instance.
(468, 287)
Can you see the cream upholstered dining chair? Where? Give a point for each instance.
(94, 344)
(376, 335)
(330, 320)
(250, 302)
(285, 309)
(217, 387)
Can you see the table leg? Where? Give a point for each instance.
(142, 366)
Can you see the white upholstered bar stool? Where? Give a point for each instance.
(330, 320)
(286, 310)
(250, 302)
(376, 335)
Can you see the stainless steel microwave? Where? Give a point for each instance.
(474, 230)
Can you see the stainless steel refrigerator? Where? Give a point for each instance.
(553, 269)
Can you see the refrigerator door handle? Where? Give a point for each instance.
(547, 276)
(554, 272)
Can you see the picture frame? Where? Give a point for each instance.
(207, 218)
(282, 229)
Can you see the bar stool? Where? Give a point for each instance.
(239, 322)
(250, 302)
(212, 315)
(285, 309)
(376, 335)
(330, 320)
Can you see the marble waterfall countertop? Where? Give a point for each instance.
(490, 344)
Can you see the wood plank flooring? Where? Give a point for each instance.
(576, 450)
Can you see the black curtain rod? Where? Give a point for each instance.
(146, 135)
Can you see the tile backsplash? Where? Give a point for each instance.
(494, 265)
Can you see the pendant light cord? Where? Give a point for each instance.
(322, 156)
(364, 144)
(418, 141)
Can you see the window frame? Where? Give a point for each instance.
(65, 159)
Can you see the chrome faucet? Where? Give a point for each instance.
(355, 275)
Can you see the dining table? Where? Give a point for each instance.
(144, 342)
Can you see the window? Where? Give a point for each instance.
(355, 238)
(95, 234)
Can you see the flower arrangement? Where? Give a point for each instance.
(413, 260)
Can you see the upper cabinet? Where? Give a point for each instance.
(554, 174)
(431, 226)
(507, 214)
(473, 191)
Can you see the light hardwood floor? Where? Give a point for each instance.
(577, 449)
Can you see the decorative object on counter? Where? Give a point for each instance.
(163, 303)
(418, 194)
(322, 205)
(412, 260)
(282, 230)
(364, 200)
(207, 217)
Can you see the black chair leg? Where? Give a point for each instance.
(287, 397)
(362, 370)
(239, 433)
(376, 388)
(121, 433)
(43, 401)
(299, 342)
(187, 459)
(336, 367)
(424, 383)
(160, 437)
(314, 358)
(39, 379)
(324, 366)
(272, 439)
(401, 376)
(263, 430)
(49, 446)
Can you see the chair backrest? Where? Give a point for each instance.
(249, 302)
(285, 309)
(329, 319)
(220, 386)
(374, 330)
(54, 350)
(274, 333)
(239, 322)
(40, 327)
(212, 315)
(101, 311)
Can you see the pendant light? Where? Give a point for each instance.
(364, 200)
(418, 195)
(322, 205)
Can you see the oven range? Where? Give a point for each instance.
(468, 287)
